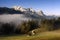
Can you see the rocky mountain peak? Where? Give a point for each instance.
(40, 12)
(29, 10)
(19, 8)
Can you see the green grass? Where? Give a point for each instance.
(40, 36)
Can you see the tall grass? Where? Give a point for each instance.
(41, 36)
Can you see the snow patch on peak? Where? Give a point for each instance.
(40, 12)
(29, 10)
(19, 8)
(32, 10)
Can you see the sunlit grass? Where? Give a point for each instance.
(40, 36)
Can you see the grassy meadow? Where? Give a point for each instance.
(52, 35)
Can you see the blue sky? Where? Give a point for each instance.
(49, 7)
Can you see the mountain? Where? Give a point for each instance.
(20, 10)
(18, 14)
(5, 10)
(30, 12)
(40, 12)
(23, 9)
(27, 12)
(51, 17)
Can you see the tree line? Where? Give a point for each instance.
(25, 27)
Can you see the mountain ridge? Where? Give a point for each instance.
(27, 12)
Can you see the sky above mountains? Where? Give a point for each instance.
(49, 7)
